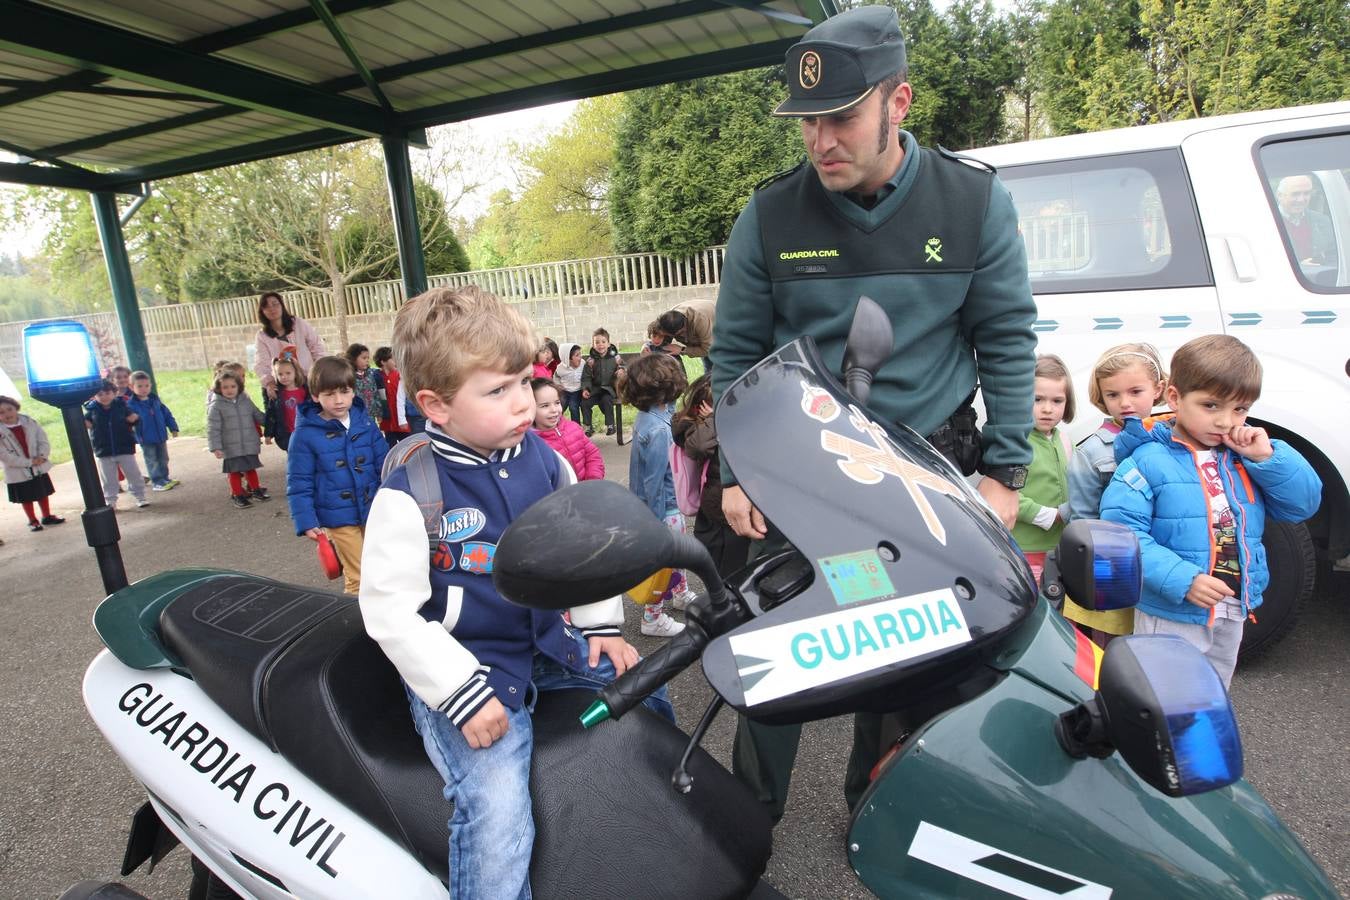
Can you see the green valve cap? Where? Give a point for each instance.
(596, 713)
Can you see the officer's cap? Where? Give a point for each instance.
(838, 63)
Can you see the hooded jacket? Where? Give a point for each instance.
(568, 438)
(231, 426)
(109, 430)
(156, 421)
(1157, 492)
(567, 376)
(332, 473)
(599, 374)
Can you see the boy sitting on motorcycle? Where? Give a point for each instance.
(471, 662)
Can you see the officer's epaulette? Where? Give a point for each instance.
(779, 176)
(967, 160)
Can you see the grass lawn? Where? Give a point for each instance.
(183, 392)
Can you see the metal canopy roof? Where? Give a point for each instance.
(108, 94)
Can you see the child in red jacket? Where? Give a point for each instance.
(564, 435)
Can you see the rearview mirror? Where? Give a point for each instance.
(1162, 705)
(584, 543)
(1097, 563)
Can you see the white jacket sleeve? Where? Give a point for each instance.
(603, 617)
(395, 582)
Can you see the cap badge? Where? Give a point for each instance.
(808, 74)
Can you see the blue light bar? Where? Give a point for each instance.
(1197, 717)
(61, 362)
(1116, 576)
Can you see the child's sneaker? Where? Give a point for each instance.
(609, 429)
(161, 487)
(680, 601)
(260, 493)
(663, 626)
(240, 501)
(142, 503)
(1342, 564)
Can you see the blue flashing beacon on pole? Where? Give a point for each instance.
(61, 362)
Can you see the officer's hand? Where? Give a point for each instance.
(742, 516)
(486, 726)
(1001, 499)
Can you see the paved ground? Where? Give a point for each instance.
(67, 799)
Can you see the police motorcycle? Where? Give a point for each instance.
(274, 742)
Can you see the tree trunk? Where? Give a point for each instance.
(340, 308)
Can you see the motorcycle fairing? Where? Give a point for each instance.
(914, 579)
(938, 821)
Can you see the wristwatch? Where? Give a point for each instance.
(1012, 477)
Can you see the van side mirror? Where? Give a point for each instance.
(1162, 705)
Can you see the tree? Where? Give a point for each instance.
(688, 155)
(962, 66)
(498, 237)
(441, 250)
(562, 207)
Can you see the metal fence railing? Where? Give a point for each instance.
(575, 277)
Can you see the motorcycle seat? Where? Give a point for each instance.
(308, 681)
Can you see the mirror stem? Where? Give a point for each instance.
(680, 779)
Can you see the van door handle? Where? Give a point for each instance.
(1244, 266)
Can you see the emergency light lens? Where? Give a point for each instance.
(61, 362)
(1116, 576)
(1196, 714)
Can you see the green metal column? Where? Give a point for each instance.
(407, 232)
(119, 277)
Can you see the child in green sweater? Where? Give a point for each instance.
(1043, 506)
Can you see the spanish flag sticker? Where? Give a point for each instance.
(1087, 661)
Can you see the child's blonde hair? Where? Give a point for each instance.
(1119, 358)
(444, 335)
(1048, 365)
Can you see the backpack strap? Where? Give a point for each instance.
(414, 455)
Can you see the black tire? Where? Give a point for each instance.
(1293, 575)
(206, 886)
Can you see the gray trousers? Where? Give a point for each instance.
(107, 468)
(1219, 643)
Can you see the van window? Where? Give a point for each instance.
(1121, 222)
(1308, 181)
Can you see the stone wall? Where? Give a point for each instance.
(569, 319)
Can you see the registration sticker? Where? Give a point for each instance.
(796, 656)
(855, 577)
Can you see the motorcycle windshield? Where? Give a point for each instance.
(912, 578)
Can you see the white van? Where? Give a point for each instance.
(1162, 233)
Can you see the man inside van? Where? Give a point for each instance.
(1309, 230)
(934, 241)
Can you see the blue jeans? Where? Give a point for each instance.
(492, 827)
(572, 401)
(156, 462)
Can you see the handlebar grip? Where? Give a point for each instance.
(635, 685)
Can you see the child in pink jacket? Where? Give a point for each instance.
(564, 435)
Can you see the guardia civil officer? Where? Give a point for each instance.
(931, 238)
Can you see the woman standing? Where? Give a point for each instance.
(283, 334)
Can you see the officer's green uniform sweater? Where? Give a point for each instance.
(1047, 485)
(938, 315)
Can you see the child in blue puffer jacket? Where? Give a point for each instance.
(333, 464)
(1196, 488)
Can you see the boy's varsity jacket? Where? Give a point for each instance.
(436, 615)
(155, 423)
(1157, 492)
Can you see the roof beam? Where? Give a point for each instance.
(207, 43)
(27, 154)
(715, 63)
(230, 156)
(769, 12)
(48, 176)
(340, 37)
(556, 36)
(50, 34)
(135, 131)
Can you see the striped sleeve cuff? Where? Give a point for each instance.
(469, 699)
(602, 631)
